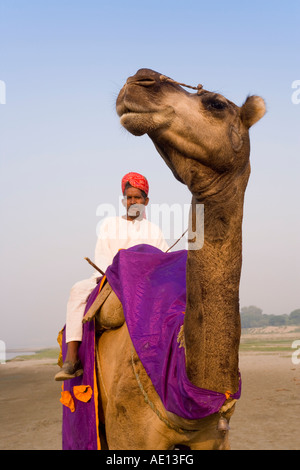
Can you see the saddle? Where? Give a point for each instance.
(106, 309)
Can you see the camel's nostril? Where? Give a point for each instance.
(147, 82)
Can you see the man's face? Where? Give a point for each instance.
(135, 203)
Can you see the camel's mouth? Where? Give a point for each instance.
(130, 113)
(143, 118)
(134, 118)
(128, 106)
(137, 122)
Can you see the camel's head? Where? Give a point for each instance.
(203, 137)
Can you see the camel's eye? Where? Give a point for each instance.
(213, 103)
(217, 104)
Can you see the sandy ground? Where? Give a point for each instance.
(266, 416)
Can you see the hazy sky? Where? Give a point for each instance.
(63, 151)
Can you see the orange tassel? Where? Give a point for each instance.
(67, 400)
(83, 392)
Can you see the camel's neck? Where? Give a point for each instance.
(212, 319)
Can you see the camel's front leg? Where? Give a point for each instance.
(133, 425)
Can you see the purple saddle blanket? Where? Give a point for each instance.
(151, 286)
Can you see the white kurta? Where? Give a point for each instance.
(115, 233)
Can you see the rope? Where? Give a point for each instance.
(163, 78)
(152, 406)
(176, 241)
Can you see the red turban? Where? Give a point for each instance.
(137, 181)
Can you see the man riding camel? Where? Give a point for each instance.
(115, 233)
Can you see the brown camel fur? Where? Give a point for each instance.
(204, 139)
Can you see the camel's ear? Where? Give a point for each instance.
(252, 110)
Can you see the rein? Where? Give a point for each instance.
(176, 241)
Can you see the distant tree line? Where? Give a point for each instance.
(252, 317)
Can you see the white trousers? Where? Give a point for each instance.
(75, 308)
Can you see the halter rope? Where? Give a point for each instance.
(163, 78)
(152, 405)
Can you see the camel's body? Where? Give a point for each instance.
(204, 139)
(130, 423)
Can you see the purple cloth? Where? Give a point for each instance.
(79, 430)
(151, 286)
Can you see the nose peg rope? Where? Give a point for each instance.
(163, 78)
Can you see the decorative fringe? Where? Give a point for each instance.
(59, 340)
(180, 338)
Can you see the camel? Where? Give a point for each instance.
(204, 139)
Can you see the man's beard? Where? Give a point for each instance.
(136, 210)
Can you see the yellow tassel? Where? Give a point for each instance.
(59, 340)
